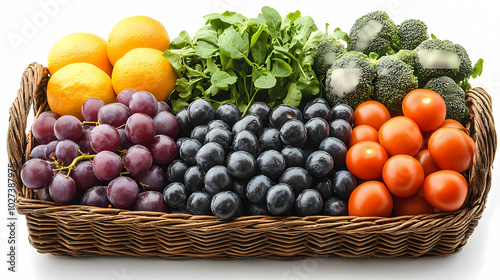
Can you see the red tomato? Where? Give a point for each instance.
(400, 135)
(425, 159)
(403, 175)
(453, 123)
(425, 107)
(372, 113)
(366, 159)
(446, 190)
(363, 133)
(413, 205)
(451, 148)
(370, 199)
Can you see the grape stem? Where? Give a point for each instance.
(73, 164)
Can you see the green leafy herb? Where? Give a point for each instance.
(239, 60)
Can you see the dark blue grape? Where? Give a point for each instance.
(219, 135)
(280, 199)
(229, 113)
(317, 130)
(319, 164)
(341, 129)
(225, 205)
(198, 203)
(308, 203)
(185, 125)
(344, 112)
(257, 188)
(199, 133)
(200, 112)
(335, 207)
(176, 170)
(175, 194)
(210, 155)
(336, 148)
(261, 109)
(297, 178)
(217, 179)
(271, 163)
(318, 107)
(269, 139)
(188, 150)
(283, 113)
(343, 183)
(293, 133)
(252, 209)
(246, 141)
(324, 186)
(294, 156)
(250, 122)
(241, 165)
(194, 179)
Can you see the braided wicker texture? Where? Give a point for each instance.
(78, 230)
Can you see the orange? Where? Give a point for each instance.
(136, 32)
(79, 47)
(144, 69)
(73, 84)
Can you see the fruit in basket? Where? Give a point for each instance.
(371, 198)
(446, 190)
(144, 69)
(73, 84)
(426, 108)
(136, 32)
(453, 96)
(76, 48)
(400, 135)
(372, 113)
(366, 160)
(451, 148)
(403, 175)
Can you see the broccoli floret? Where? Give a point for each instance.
(407, 56)
(453, 96)
(329, 50)
(412, 33)
(435, 58)
(374, 32)
(350, 80)
(394, 80)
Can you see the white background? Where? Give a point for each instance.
(37, 25)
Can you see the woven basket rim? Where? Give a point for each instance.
(27, 203)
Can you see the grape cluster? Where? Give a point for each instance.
(135, 154)
(115, 157)
(280, 161)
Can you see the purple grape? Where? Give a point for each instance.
(154, 178)
(150, 201)
(43, 194)
(138, 160)
(104, 137)
(62, 189)
(114, 114)
(140, 128)
(95, 196)
(90, 108)
(163, 149)
(143, 102)
(125, 143)
(67, 151)
(43, 130)
(51, 114)
(38, 152)
(84, 176)
(107, 165)
(122, 192)
(166, 124)
(163, 106)
(36, 173)
(68, 127)
(124, 96)
(50, 150)
(84, 142)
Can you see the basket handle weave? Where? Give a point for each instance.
(32, 88)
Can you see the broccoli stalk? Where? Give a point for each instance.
(350, 80)
(394, 80)
(374, 32)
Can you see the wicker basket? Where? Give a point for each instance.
(78, 230)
